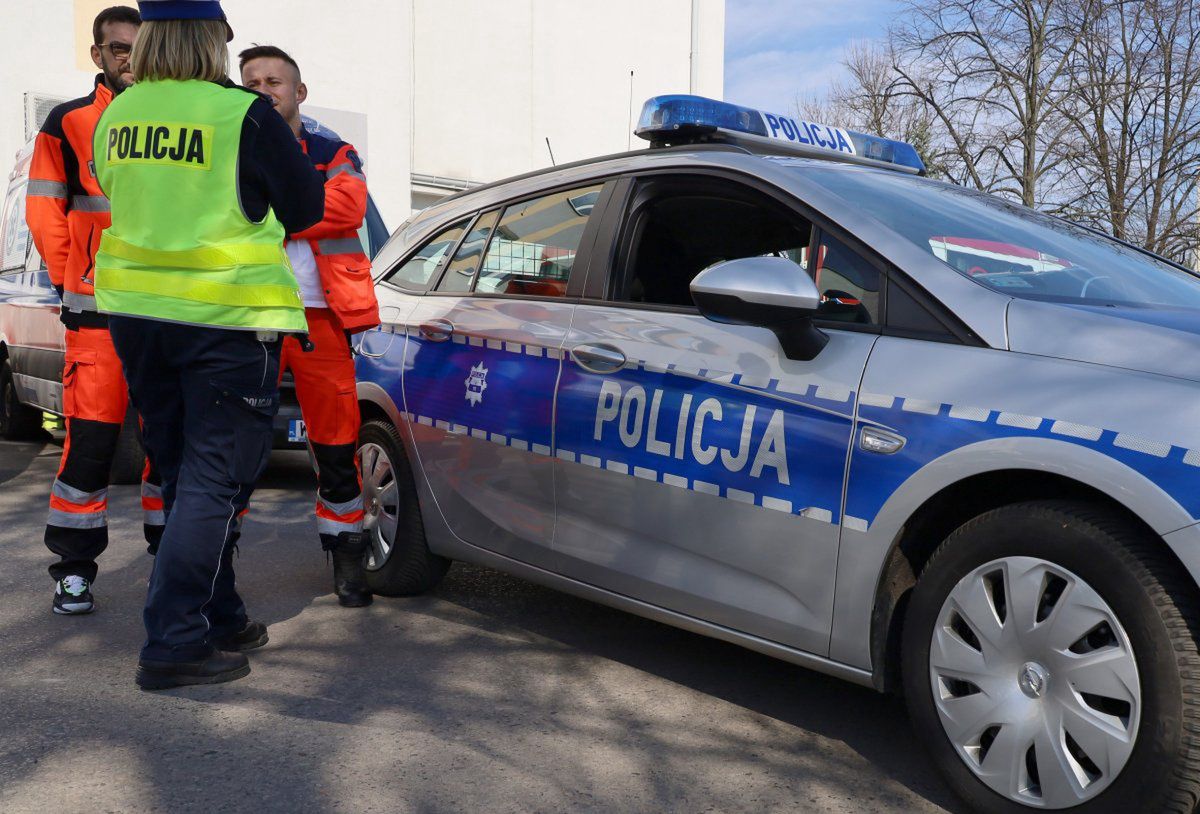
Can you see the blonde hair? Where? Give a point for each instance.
(181, 49)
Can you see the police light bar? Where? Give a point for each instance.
(679, 119)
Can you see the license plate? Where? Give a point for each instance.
(296, 431)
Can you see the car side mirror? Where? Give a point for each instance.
(770, 292)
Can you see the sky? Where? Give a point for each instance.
(777, 50)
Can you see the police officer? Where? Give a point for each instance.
(339, 300)
(67, 213)
(205, 181)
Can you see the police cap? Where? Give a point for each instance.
(183, 10)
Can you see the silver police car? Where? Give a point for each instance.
(764, 382)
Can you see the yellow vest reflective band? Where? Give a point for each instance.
(180, 248)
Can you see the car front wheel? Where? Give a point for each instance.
(399, 562)
(1050, 662)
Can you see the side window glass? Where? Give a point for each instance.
(535, 243)
(14, 232)
(849, 285)
(906, 314)
(460, 274)
(689, 224)
(419, 269)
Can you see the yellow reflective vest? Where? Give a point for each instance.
(180, 248)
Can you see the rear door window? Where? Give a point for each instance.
(535, 244)
(460, 275)
(423, 264)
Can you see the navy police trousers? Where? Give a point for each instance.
(207, 397)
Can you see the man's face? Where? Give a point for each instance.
(280, 82)
(112, 54)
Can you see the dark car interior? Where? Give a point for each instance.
(681, 226)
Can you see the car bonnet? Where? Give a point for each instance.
(1165, 341)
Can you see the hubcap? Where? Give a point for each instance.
(1035, 682)
(1032, 680)
(381, 503)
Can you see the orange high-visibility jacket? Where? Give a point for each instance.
(342, 265)
(64, 207)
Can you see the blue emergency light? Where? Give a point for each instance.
(680, 119)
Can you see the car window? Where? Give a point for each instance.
(681, 226)
(420, 268)
(14, 233)
(534, 246)
(1009, 248)
(849, 285)
(460, 275)
(373, 233)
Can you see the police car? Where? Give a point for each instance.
(765, 382)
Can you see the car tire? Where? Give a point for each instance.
(129, 458)
(402, 565)
(18, 422)
(1106, 564)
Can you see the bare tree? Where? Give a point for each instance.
(1086, 108)
(870, 100)
(1137, 88)
(993, 75)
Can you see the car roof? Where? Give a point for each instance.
(977, 306)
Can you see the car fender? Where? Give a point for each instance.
(864, 554)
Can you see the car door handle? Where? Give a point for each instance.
(437, 330)
(598, 358)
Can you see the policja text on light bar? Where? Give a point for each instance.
(682, 119)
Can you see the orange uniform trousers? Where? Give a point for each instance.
(325, 388)
(95, 400)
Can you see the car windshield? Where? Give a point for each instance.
(1010, 248)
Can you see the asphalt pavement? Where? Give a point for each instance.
(487, 695)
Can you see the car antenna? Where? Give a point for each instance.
(629, 134)
(553, 163)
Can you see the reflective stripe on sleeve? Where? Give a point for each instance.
(341, 245)
(90, 203)
(344, 169)
(155, 518)
(47, 189)
(79, 303)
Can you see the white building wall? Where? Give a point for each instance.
(352, 57)
(494, 80)
(458, 89)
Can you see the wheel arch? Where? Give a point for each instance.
(945, 494)
(375, 403)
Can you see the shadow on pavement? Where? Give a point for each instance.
(489, 694)
(16, 456)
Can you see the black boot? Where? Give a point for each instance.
(349, 576)
(216, 668)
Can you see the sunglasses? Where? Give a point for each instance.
(120, 50)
